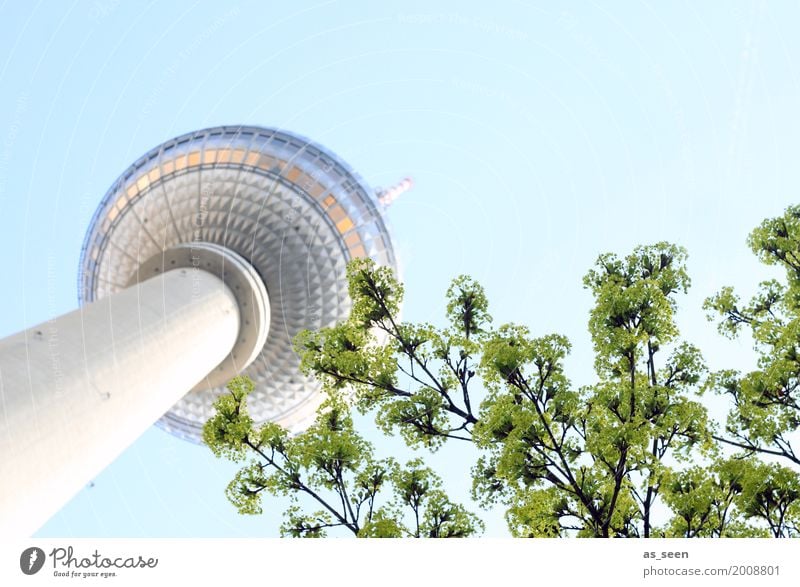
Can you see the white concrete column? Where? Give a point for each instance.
(77, 390)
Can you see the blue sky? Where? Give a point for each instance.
(539, 135)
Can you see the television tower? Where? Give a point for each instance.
(203, 261)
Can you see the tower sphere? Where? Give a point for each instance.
(242, 201)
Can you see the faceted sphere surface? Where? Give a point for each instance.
(290, 207)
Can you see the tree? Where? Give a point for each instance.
(416, 376)
(766, 401)
(336, 469)
(588, 460)
(593, 460)
(597, 460)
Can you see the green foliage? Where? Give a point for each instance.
(634, 304)
(228, 428)
(419, 489)
(331, 466)
(597, 460)
(539, 513)
(382, 525)
(592, 461)
(467, 307)
(588, 461)
(771, 494)
(375, 292)
(765, 402)
(415, 376)
(709, 501)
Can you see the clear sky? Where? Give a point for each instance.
(539, 136)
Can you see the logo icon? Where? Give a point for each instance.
(31, 560)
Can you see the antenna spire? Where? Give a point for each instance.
(389, 195)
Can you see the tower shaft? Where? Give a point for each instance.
(77, 390)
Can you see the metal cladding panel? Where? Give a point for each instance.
(290, 207)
